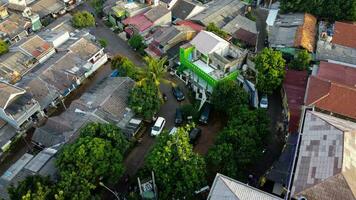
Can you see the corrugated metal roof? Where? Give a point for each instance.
(225, 188)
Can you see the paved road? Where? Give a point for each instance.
(116, 45)
(261, 16)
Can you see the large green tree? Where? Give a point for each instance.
(108, 132)
(136, 42)
(178, 170)
(126, 67)
(4, 47)
(74, 187)
(241, 143)
(92, 158)
(32, 187)
(329, 9)
(271, 70)
(83, 19)
(228, 96)
(144, 98)
(301, 60)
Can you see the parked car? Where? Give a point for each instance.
(158, 126)
(173, 131)
(178, 93)
(264, 102)
(179, 117)
(204, 116)
(133, 127)
(194, 135)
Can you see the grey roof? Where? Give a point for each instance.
(62, 23)
(329, 51)
(281, 169)
(13, 63)
(326, 158)
(207, 42)
(17, 167)
(8, 92)
(41, 91)
(156, 13)
(282, 36)
(227, 188)
(240, 22)
(46, 7)
(40, 160)
(104, 103)
(220, 12)
(284, 31)
(182, 9)
(7, 133)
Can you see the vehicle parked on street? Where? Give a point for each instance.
(194, 135)
(204, 116)
(179, 117)
(264, 102)
(158, 126)
(178, 93)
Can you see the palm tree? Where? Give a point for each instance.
(155, 70)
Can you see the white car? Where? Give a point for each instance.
(158, 127)
(264, 102)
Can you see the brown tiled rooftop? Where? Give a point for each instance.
(294, 85)
(332, 97)
(337, 73)
(305, 36)
(6, 92)
(344, 34)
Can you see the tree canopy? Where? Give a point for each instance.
(240, 142)
(136, 42)
(4, 47)
(126, 67)
(97, 155)
(178, 170)
(301, 60)
(83, 19)
(32, 188)
(107, 132)
(143, 98)
(329, 9)
(271, 70)
(213, 28)
(227, 96)
(92, 158)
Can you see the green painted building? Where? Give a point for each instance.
(208, 59)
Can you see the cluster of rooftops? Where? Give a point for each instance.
(318, 161)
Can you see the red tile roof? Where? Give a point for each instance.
(295, 85)
(332, 97)
(140, 22)
(344, 34)
(191, 24)
(337, 73)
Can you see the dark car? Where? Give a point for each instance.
(179, 117)
(194, 135)
(178, 94)
(204, 116)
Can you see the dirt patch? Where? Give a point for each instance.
(209, 134)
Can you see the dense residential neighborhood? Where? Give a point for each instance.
(177, 99)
